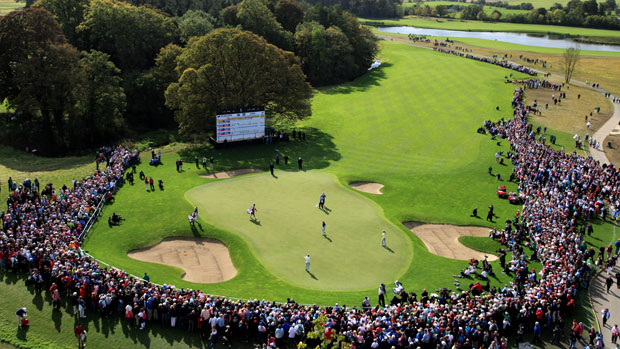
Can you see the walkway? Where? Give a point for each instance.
(602, 133)
(601, 300)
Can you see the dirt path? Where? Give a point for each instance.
(367, 187)
(231, 173)
(443, 240)
(204, 260)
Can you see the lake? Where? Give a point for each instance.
(514, 38)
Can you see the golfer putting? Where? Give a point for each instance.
(252, 212)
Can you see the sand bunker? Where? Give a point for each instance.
(231, 173)
(443, 240)
(367, 187)
(205, 261)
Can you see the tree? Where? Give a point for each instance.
(471, 12)
(611, 4)
(289, 13)
(441, 10)
(195, 23)
(256, 17)
(39, 77)
(569, 61)
(68, 13)
(153, 84)
(131, 35)
(103, 100)
(496, 15)
(231, 68)
(23, 34)
(228, 16)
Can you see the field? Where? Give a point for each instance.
(457, 24)
(595, 66)
(410, 125)
(7, 6)
(487, 9)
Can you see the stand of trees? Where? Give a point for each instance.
(79, 73)
(368, 8)
(576, 13)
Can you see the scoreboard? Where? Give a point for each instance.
(239, 124)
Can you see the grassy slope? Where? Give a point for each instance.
(7, 6)
(454, 24)
(59, 171)
(438, 188)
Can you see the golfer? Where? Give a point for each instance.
(307, 262)
(253, 211)
(322, 201)
(323, 228)
(383, 239)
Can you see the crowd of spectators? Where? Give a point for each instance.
(500, 62)
(561, 191)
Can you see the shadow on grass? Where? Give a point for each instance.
(361, 84)
(18, 160)
(317, 151)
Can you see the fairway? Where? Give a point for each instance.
(289, 227)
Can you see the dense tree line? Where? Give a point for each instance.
(576, 13)
(367, 8)
(79, 73)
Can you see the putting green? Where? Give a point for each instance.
(289, 227)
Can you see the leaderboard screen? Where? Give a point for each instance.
(239, 124)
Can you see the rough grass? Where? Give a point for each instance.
(569, 116)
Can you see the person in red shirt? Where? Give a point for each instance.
(80, 333)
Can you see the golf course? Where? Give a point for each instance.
(409, 125)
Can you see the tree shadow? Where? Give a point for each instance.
(317, 151)
(18, 160)
(363, 83)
